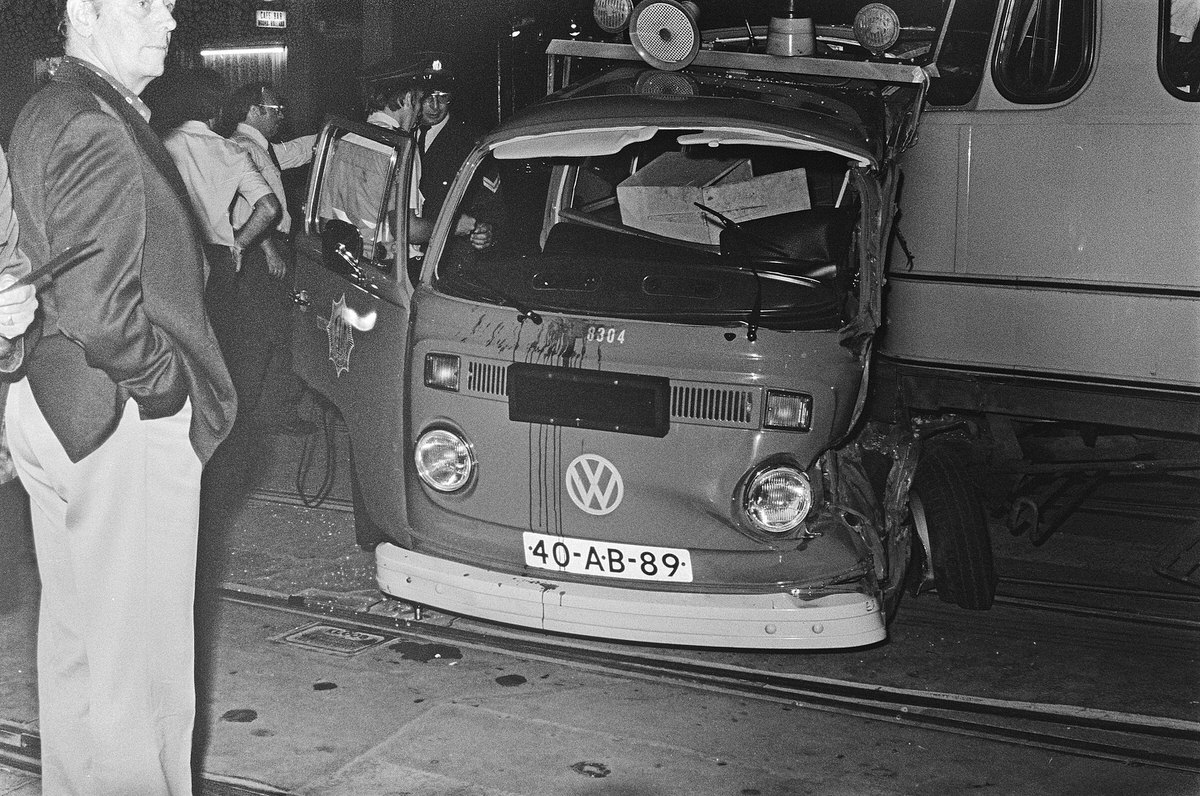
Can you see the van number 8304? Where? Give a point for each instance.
(607, 559)
(605, 334)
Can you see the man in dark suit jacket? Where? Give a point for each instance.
(445, 140)
(126, 397)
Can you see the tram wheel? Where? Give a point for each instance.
(947, 504)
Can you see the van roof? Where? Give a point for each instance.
(844, 115)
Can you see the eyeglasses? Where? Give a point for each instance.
(267, 106)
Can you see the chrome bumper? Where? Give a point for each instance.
(756, 621)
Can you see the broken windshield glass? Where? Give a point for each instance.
(623, 234)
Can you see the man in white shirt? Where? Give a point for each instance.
(257, 113)
(217, 171)
(273, 392)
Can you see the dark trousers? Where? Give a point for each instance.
(251, 315)
(18, 565)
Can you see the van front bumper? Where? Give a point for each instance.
(759, 621)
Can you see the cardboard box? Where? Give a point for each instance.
(661, 197)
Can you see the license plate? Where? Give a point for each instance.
(607, 559)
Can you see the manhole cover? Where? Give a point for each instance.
(334, 639)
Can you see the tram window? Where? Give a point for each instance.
(1045, 50)
(1179, 48)
(963, 55)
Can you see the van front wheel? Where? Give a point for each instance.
(948, 505)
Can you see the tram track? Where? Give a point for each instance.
(1159, 609)
(1062, 597)
(1125, 737)
(1128, 738)
(20, 750)
(1111, 735)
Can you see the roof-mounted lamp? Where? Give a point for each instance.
(666, 33)
(876, 27)
(612, 15)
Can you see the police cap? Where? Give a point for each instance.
(426, 70)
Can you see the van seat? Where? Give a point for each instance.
(820, 236)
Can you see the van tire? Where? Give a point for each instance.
(963, 567)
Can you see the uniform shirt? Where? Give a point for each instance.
(416, 201)
(292, 153)
(353, 186)
(216, 171)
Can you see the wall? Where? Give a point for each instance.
(330, 41)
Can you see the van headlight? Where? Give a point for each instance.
(444, 460)
(777, 499)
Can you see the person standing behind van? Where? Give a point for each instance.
(217, 172)
(269, 391)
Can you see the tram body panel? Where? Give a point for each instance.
(1057, 241)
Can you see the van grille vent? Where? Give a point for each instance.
(693, 402)
(714, 404)
(486, 378)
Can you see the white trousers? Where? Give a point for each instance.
(116, 545)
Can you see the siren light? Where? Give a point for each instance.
(665, 33)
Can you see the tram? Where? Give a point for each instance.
(1042, 315)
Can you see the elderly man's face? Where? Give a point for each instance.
(129, 38)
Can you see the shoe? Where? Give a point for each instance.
(299, 427)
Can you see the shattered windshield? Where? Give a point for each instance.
(687, 226)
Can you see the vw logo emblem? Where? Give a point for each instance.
(594, 484)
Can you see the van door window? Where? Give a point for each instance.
(1045, 50)
(359, 178)
(1179, 48)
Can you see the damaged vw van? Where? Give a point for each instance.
(636, 415)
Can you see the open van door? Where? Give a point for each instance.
(352, 294)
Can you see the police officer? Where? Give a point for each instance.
(445, 138)
(435, 168)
